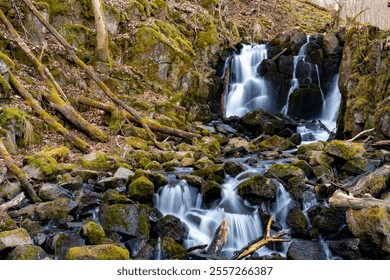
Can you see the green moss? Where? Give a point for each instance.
(99, 161)
(173, 250)
(137, 143)
(93, 232)
(98, 252)
(114, 215)
(47, 165)
(344, 150)
(141, 189)
(207, 37)
(5, 58)
(153, 165)
(57, 153)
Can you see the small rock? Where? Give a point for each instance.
(306, 250)
(195, 181)
(123, 173)
(27, 252)
(50, 191)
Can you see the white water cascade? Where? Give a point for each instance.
(247, 91)
(245, 225)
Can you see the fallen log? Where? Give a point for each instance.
(260, 242)
(344, 201)
(219, 239)
(52, 122)
(53, 96)
(157, 128)
(381, 144)
(372, 183)
(91, 72)
(22, 177)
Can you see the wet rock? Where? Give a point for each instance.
(6, 223)
(56, 210)
(59, 243)
(296, 138)
(114, 197)
(192, 180)
(141, 189)
(93, 233)
(123, 173)
(266, 66)
(284, 172)
(306, 250)
(173, 227)
(28, 252)
(357, 166)
(187, 162)
(304, 150)
(127, 220)
(171, 250)
(70, 183)
(372, 224)
(9, 190)
(305, 103)
(111, 182)
(233, 168)
(50, 191)
(347, 248)
(140, 248)
(298, 222)
(259, 121)
(98, 252)
(211, 191)
(331, 45)
(305, 168)
(297, 40)
(87, 200)
(215, 169)
(326, 220)
(276, 143)
(13, 238)
(344, 150)
(258, 189)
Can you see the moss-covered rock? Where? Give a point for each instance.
(98, 252)
(211, 191)
(56, 210)
(276, 142)
(304, 150)
(172, 250)
(6, 223)
(93, 233)
(371, 224)
(137, 143)
(284, 172)
(171, 226)
(156, 178)
(98, 161)
(305, 167)
(258, 189)
(27, 252)
(141, 189)
(215, 170)
(357, 166)
(13, 238)
(298, 222)
(128, 220)
(344, 150)
(233, 168)
(326, 220)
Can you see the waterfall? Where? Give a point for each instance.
(247, 90)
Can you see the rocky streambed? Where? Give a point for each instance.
(103, 206)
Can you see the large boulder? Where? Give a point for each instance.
(258, 189)
(344, 150)
(173, 227)
(371, 224)
(306, 250)
(28, 252)
(276, 143)
(98, 252)
(13, 238)
(305, 103)
(56, 210)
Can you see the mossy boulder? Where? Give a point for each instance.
(371, 224)
(258, 189)
(156, 178)
(284, 172)
(93, 233)
(114, 197)
(233, 168)
(56, 210)
(137, 143)
(141, 189)
(24, 128)
(173, 250)
(210, 145)
(153, 165)
(12, 238)
(298, 222)
(344, 150)
(304, 150)
(326, 220)
(357, 166)
(323, 172)
(51, 191)
(41, 168)
(6, 223)
(305, 103)
(316, 158)
(171, 226)
(98, 252)
(276, 142)
(27, 252)
(127, 220)
(203, 163)
(211, 191)
(381, 122)
(98, 161)
(305, 168)
(215, 170)
(8, 190)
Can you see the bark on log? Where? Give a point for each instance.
(22, 177)
(157, 128)
(52, 122)
(260, 242)
(381, 144)
(102, 50)
(344, 201)
(53, 96)
(91, 72)
(372, 183)
(219, 240)
(12, 203)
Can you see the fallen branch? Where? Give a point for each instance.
(382, 143)
(345, 201)
(22, 177)
(357, 136)
(157, 128)
(279, 54)
(260, 242)
(197, 247)
(53, 96)
(79, 143)
(12, 203)
(91, 72)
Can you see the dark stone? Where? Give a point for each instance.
(346, 248)
(136, 247)
(233, 168)
(193, 180)
(306, 250)
(286, 133)
(326, 220)
(173, 227)
(298, 223)
(297, 40)
(211, 191)
(296, 138)
(60, 243)
(305, 103)
(266, 66)
(258, 189)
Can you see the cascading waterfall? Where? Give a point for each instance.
(247, 91)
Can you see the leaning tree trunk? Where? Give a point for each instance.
(92, 73)
(22, 177)
(53, 96)
(79, 143)
(102, 50)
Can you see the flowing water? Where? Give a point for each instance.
(246, 91)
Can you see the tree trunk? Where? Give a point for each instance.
(79, 143)
(22, 177)
(92, 73)
(219, 239)
(102, 50)
(157, 128)
(345, 201)
(52, 96)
